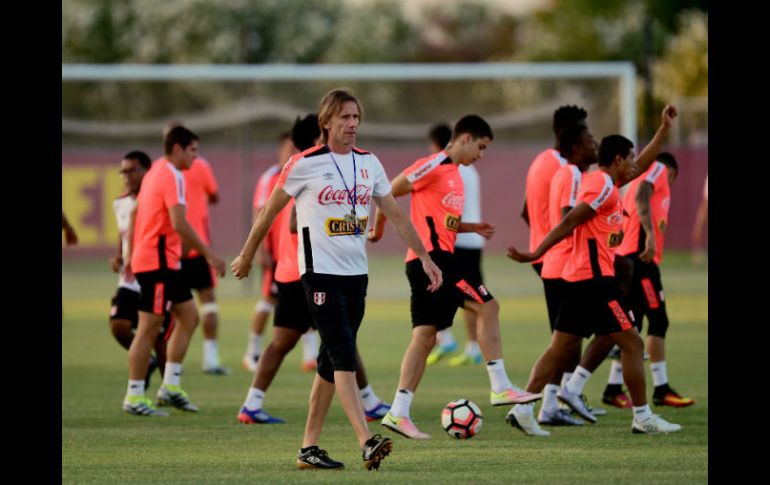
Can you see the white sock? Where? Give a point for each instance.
(445, 338)
(659, 374)
(578, 381)
(528, 408)
(472, 348)
(498, 378)
(254, 399)
(210, 353)
(401, 403)
(565, 379)
(368, 397)
(310, 345)
(616, 373)
(135, 388)
(550, 403)
(172, 373)
(254, 348)
(642, 412)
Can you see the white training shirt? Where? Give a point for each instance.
(327, 242)
(122, 206)
(471, 208)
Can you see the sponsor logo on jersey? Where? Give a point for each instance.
(614, 239)
(453, 201)
(329, 195)
(319, 297)
(665, 203)
(451, 222)
(346, 227)
(615, 219)
(421, 171)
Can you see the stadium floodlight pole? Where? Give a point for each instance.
(626, 71)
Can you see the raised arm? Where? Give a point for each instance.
(647, 156)
(388, 205)
(241, 265)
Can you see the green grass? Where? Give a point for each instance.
(102, 444)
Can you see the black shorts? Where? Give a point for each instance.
(594, 306)
(469, 264)
(196, 272)
(646, 297)
(292, 311)
(161, 289)
(554, 298)
(125, 306)
(439, 308)
(337, 305)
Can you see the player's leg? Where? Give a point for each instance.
(374, 408)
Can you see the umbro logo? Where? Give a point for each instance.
(313, 459)
(328, 176)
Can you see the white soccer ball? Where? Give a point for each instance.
(461, 418)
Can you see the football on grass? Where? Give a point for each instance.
(461, 418)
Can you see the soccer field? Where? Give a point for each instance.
(103, 444)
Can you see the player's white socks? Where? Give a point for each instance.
(445, 338)
(472, 348)
(369, 398)
(254, 348)
(659, 374)
(616, 373)
(642, 412)
(254, 399)
(498, 378)
(210, 353)
(401, 403)
(135, 388)
(578, 380)
(550, 403)
(528, 408)
(172, 374)
(310, 345)
(565, 379)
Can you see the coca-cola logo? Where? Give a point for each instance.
(615, 219)
(329, 195)
(453, 201)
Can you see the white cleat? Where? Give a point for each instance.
(654, 424)
(525, 421)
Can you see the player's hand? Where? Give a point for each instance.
(375, 234)
(667, 118)
(521, 257)
(434, 274)
(218, 264)
(485, 229)
(240, 267)
(115, 263)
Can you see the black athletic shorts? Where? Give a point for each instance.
(538, 267)
(593, 306)
(554, 298)
(337, 305)
(125, 306)
(646, 297)
(469, 264)
(161, 289)
(292, 310)
(439, 308)
(197, 273)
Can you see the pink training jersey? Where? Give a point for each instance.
(633, 242)
(156, 245)
(594, 242)
(537, 192)
(287, 270)
(201, 184)
(437, 201)
(562, 193)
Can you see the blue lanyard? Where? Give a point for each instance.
(351, 194)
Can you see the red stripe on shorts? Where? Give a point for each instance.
(158, 304)
(649, 293)
(620, 315)
(468, 290)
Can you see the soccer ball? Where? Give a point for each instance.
(461, 418)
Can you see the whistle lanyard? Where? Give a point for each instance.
(351, 194)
